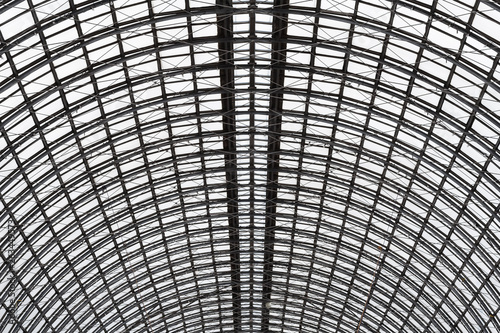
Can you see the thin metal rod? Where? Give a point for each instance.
(370, 290)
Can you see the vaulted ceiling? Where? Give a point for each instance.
(249, 166)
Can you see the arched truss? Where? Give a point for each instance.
(249, 166)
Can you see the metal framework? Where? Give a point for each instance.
(249, 166)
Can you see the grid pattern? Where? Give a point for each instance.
(249, 166)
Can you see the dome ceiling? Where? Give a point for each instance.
(249, 166)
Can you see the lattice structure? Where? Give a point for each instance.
(249, 166)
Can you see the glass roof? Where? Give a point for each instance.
(249, 166)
